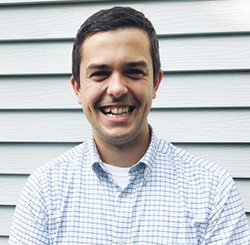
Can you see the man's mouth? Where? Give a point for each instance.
(121, 111)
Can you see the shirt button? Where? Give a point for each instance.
(121, 242)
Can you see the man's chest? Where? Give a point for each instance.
(147, 216)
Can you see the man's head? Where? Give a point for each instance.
(116, 71)
(113, 19)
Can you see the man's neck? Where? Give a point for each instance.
(125, 155)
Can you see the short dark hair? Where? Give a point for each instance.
(113, 19)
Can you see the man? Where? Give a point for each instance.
(124, 185)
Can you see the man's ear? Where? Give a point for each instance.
(157, 82)
(77, 89)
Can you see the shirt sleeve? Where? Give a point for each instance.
(29, 224)
(228, 223)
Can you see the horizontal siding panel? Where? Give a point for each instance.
(186, 90)
(35, 58)
(177, 54)
(234, 158)
(3, 240)
(168, 17)
(204, 90)
(25, 158)
(205, 53)
(11, 187)
(243, 186)
(220, 126)
(51, 92)
(20, 158)
(6, 214)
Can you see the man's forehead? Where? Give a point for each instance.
(126, 46)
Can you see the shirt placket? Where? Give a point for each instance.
(125, 201)
(124, 208)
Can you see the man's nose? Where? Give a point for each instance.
(117, 86)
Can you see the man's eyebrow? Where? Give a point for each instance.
(140, 63)
(97, 66)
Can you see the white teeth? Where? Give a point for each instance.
(116, 111)
(107, 110)
(120, 111)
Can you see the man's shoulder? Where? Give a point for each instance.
(189, 162)
(73, 156)
(56, 174)
(194, 173)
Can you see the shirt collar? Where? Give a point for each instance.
(147, 161)
(94, 158)
(149, 157)
(93, 152)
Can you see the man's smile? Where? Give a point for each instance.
(117, 111)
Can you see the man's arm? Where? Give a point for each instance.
(29, 224)
(228, 223)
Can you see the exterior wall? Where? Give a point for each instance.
(203, 103)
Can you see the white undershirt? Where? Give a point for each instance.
(119, 175)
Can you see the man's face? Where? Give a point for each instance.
(116, 77)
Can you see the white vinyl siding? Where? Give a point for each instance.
(178, 54)
(203, 103)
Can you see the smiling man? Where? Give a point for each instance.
(124, 185)
(116, 87)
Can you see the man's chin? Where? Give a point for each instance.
(117, 137)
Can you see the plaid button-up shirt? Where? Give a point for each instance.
(172, 197)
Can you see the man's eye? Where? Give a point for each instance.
(99, 75)
(135, 73)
